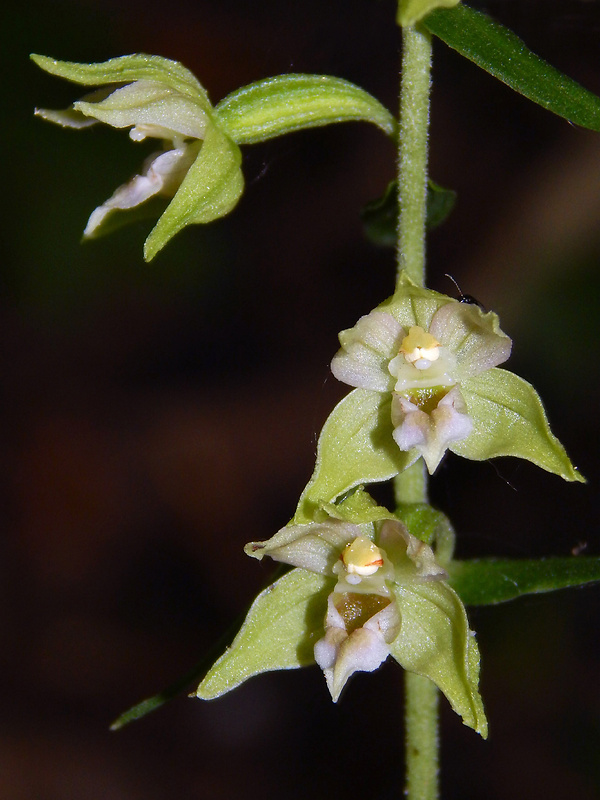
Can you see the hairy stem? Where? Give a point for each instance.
(412, 155)
(421, 694)
(422, 743)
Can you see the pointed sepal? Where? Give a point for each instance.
(280, 632)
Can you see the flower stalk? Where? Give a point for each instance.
(422, 738)
(421, 695)
(415, 87)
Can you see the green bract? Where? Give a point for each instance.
(287, 103)
(359, 592)
(411, 11)
(198, 168)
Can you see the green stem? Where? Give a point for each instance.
(422, 743)
(412, 155)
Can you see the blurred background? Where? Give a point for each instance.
(158, 416)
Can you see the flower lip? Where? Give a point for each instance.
(161, 176)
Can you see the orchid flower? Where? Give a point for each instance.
(423, 366)
(198, 167)
(434, 360)
(358, 593)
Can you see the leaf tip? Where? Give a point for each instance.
(152, 246)
(577, 477)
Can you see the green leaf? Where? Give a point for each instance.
(435, 641)
(509, 420)
(380, 216)
(411, 11)
(280, 632)
(287, 103)
(440, 204)
(500, 52)
(487, 581)
(211, 188)
(355, 447)
(126, 69)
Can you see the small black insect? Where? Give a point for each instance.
(465, 298)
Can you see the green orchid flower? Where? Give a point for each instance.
(198, 168)
(358, 593)
(434, 362)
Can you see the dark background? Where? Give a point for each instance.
(158, 416)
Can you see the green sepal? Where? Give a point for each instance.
(500, 52)
(435, 641)
(286, 103)
(509, 420)
(355, 446)
(412, 304)
(211, 188)
(412, 11)
(488, 581)
(380, 216)
(280, 632)
(125, 69)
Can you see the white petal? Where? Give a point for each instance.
(362, 369)
(413, 560)
(474, 337)
(152, 104)
(315, 546)
(366, 351)
(68, 118)
(162, 176)
(378, 331)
